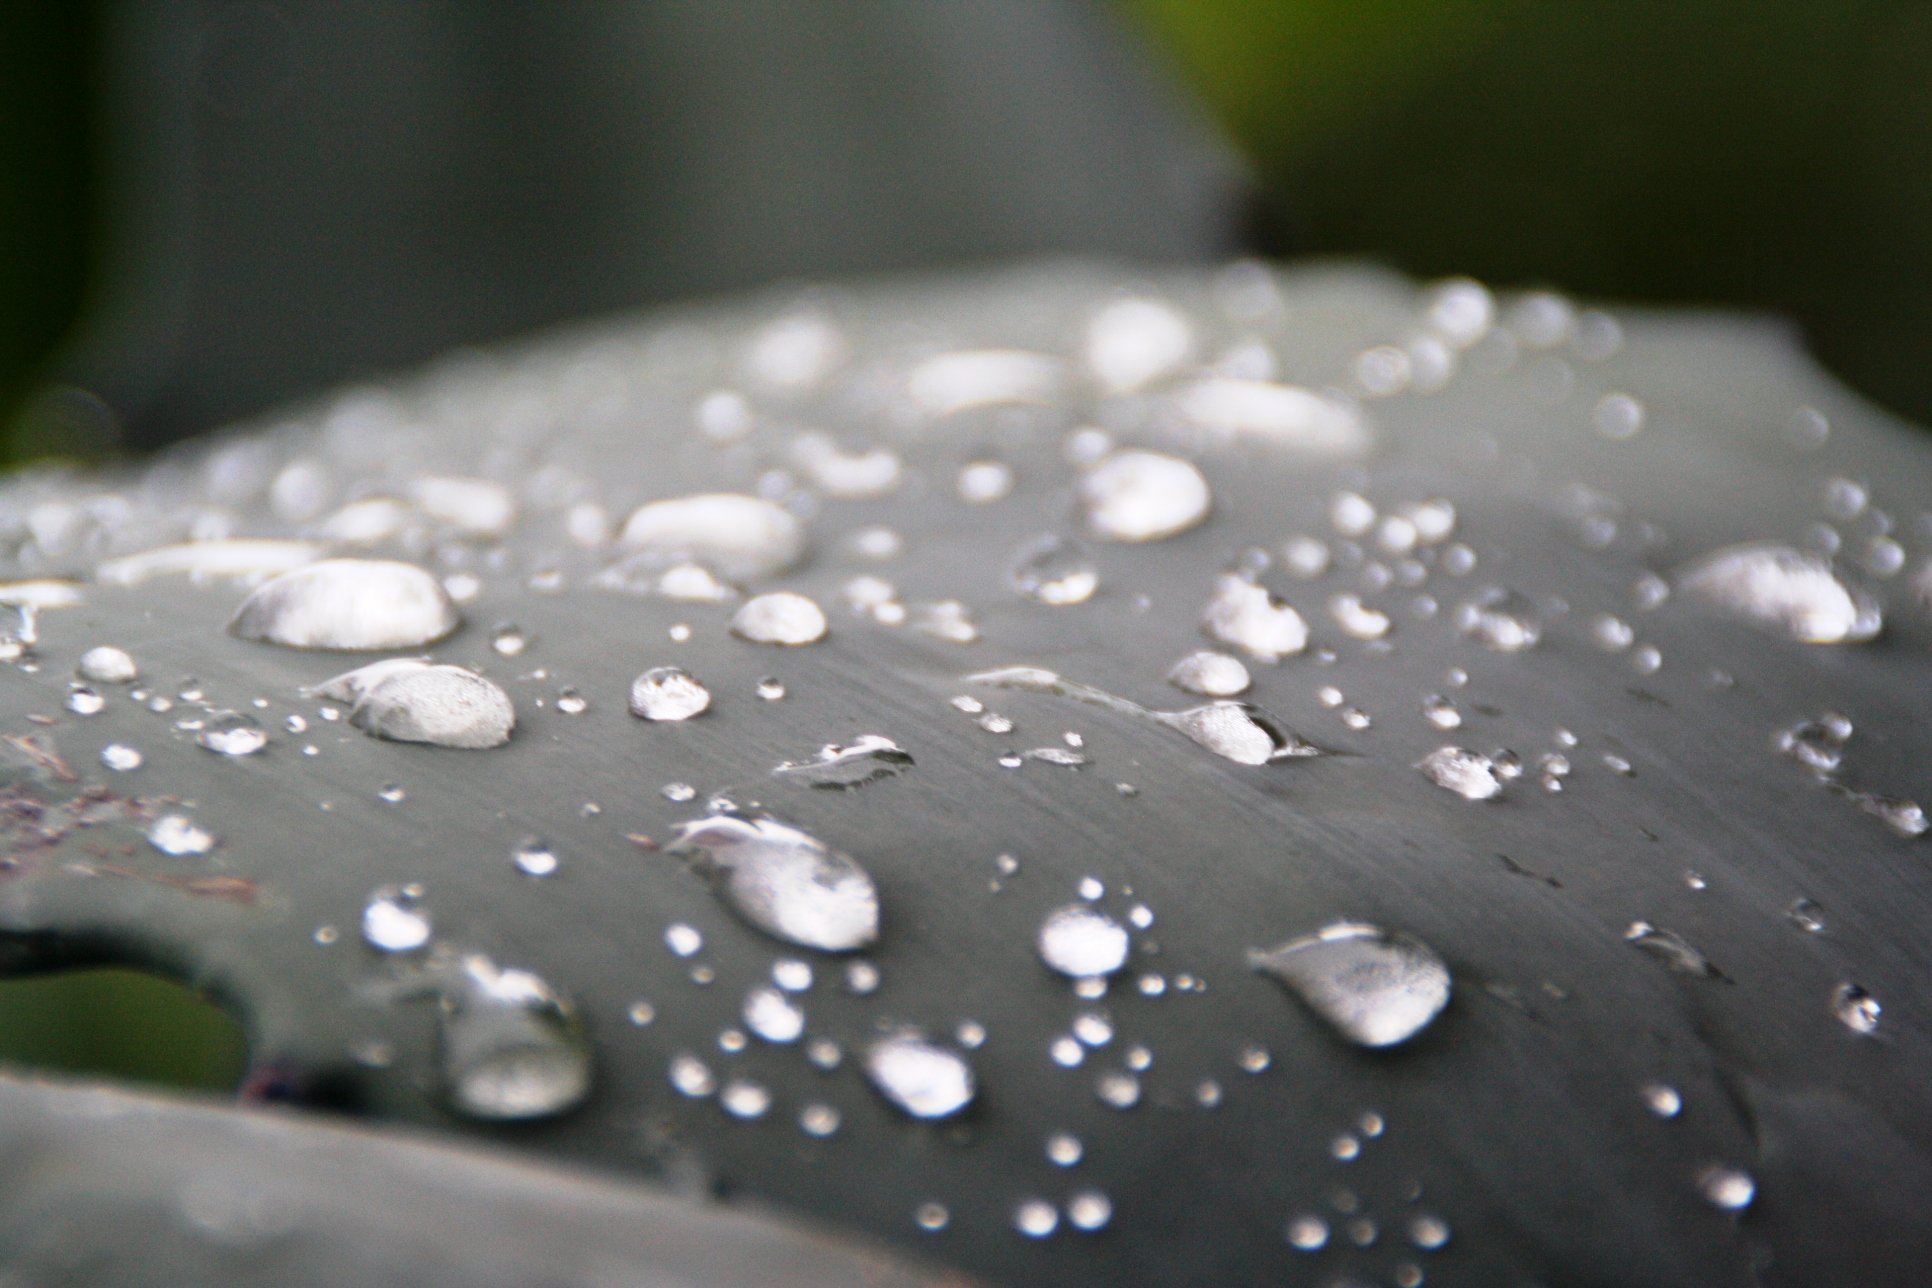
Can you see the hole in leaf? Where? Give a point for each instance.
(128, 1025)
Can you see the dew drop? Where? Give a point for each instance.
(1054, 570)
(1212, 675)
(232, 733)
(179, 835)
(394, 920)
(1500, 619)
(408, 700)
(508, 640)
(818, 1119)
(1117, 1090)
(570, 702)
(683, 940)
(1080, 941)
(533, 857)
(772, 1015)
(120, 757)
(921, 1077)
(105, 664)
(740, 537)
(352, 604)
(1374, 987)
(1786, 591)
(1143, 496)
(510, 1047)
(781, 617)
(783, 881)
(1133, 342)
(1245, 615)
(1469, 774)
(1855, 1008)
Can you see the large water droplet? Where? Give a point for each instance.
(394, 920)
(179, 835)
(1374, 987)
(232, 733)
(772, 1015)
(1082, 942)
(867, 759)
(1500, 619)
(1055, 570)
(355, 604)
(1239, 731)
(1143, 496)
(920, 1076)
(784, 881)
(1284, 415)
(1246, 615)
(782, 617)
(668, 693)
(1469, 774)
(211, 560)
(737, 536)
(1212, 675)
(105, 664)
(409, 700)
(1784, 590)
(510, 1046)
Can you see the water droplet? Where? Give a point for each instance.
(84, 701)
(353, 604)
(932, 1217)
(668, 693)
(1053, 756)
(1063, 1149)
(692, 1077)
(508, 640)
(945, 619)
(1247, 616)
(1357, 619)
(1308, 1233)
(204, 561)
(1143, 496)
(1806, 915)
(1081, 941)
(867, 759)
(984, 482)
(1288, 416)
(740, 537)
(1117, 1090)
(179, 835)
(818, 1119)
(1670, 948)
(105, 664)
(1904, 817)
(1441, 712)
(783, 881)
(642, 1014)
(1816, 744)
(683, 940)
(1054, 570)
(232, 733)
(570, 702)
(1133, 342)
(1254, 1059)
(679, 792)
(409, 700)
(923, 1078)
(1238, 731)
(1469, 774)
(1661, 1099)
(1784, 590)
(1374, 987)
(120, 757)
(394, 920)
(1212, 675)
(510, 1047)
(781, 617)
(772, 1015)
(533, 857)
(861, 977)
(1036, 1218)
(849, 475)
(1726, 1188)
(1089, 1210)
(742, 1098)
(1427, 1232)
(1855, 1008)
(1501, 620)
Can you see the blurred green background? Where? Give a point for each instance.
(211, 206)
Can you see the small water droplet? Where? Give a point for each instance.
(692, 1077)
(1661, 1099)
(745, 1099)
(1357, 619)
(923, 1078)
(510, 1047)
(770, 689)
(740, 537)
(533, 857)
(1469, 774)
(1855, 1008)
(394, 920)
(1817, 744)
(683, 940)
(1500, 619)
(1212, 675)
(179, 835)
(1063, 1149)
(1117, 1090)
(772, 1015)
(1143, 496)
(508, 640)
(1784, 590)
(668, 693)
(783, 881)
(818, 1119)
(931, 1217)
(1247, 616)
(781, 617)
(351, 604)
(1080, 941)
(1036, 1218)
(984, 482)
(120, 757)
(1054, 570)
(1806, 915)
(1089, 1210)
(867, 759)
(232, 733)
(105, 664)
(1374, 987)
(1307, 1233)
(85, 701)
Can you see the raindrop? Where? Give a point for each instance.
(1080, 941)
(1855, 1008)
(408, 700)
(105, 664)
(533, 857)
(1054, 570)
(744, 1099)
(1374, 987)
(1089, 1210)
(1469, 774)
(781, 617)
(232, 733)
(1670, 948)
(668, 693)
(867, 759)
(1143, 496)
(923, 1078)
(179, 835)
(394, 920)
(1308, 1233)
(120, 757)
(692, 1077)
(1726, 1188)
(85, 701)
(354, 604)
(1501, 620)
(1212, 675)
(1784, 590)
(740, 537)
(1251, 619)
(772, 1015)
(1036, 1218)
(1063, 1149)
(1662, 1100)
(510, 1046)
(783, 881)
(508, 640)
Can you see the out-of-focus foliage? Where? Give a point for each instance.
(122, 1024)
(1773, 155)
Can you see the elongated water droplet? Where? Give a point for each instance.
(1500, 619)
(179, 835)
(867, 759)
(210, 560)
(1212, 675)
(1239, 731)
(1143, 496)
(772, 1015)
(394, 920)
(1798, 595)
(1470, 775)
(740, 537)
(920, 1076)
(1904, 817)
(408, 700)
(784, 881)
(781, 617)
(105, 664)
(1133, 342)
(948, 383)
(1245, 615)
(353, 604)
(1054, 570)
(668, 693)
(1082, 942)
(510, 1046)
(1374, 987)
(232, 733)
(1670, 948)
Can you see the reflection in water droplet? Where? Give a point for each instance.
(783, 881)
(510, 1046)
(772, 1015)
(668, 693)
(1246, 616)
(1726, 1188)
(120, 757)
(394, 920)
(179, 835)
(1212, 675)
(781, 617)
(1670, 948)
(923, 1078)
(1855, 1008)
(355, 604)
(1784, 590)
(408, 700)
(232, 733)
(1470, 775)
(1374, 987)
(105, 664)
(1501, 620)
(1143, 496)
(867, 759)
(1080, 941)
